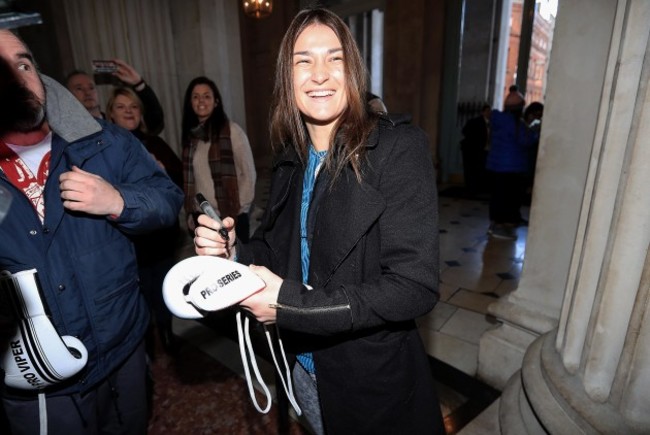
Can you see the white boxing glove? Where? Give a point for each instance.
(36, 356)
(204, 283)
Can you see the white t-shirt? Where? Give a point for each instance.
(33, 155)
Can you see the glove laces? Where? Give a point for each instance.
(248, 359)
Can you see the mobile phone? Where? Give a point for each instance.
(104, 66)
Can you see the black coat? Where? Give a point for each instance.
(374, 269)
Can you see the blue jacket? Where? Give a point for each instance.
(511, 143)
(86, 264)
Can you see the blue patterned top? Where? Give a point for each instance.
(314, 162)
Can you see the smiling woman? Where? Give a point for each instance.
(124, 108)
(218, 160)
(348, 248)
(319, 82)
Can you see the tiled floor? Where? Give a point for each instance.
(475, 271)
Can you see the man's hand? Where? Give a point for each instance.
(126, 73)
(89, 193)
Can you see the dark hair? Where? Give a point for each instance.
(15, 34)
(513, 88)
(73, 73)
(213, 124)
(534, 107)
(348, 141)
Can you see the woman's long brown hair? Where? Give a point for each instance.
(348, 141)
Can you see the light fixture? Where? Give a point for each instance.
(257, 8)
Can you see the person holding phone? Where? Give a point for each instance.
(348, 244)
(217, 158)
(82, 85)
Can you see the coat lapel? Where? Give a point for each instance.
(283, 215)
(344, 215)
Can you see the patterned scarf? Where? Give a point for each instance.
(222, 169)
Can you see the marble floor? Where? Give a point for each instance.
(476, 270)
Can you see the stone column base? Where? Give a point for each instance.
(544, 398)
(501, 352)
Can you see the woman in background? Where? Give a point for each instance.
(155, 251)
(348, 246)
(217, 158)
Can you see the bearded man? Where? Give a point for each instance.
(79, 188)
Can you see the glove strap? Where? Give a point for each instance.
(246, 345)
(248, 355)
(288, 387)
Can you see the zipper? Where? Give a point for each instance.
(312, 310)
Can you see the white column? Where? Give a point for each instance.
(592, 374)
(577, 71)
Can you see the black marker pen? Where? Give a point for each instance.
(210, 211)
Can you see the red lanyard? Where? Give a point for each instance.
(19, 174)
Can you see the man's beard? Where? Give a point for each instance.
(20, 109)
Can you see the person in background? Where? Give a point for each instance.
(511, 142)
(217, 157)
(83, 87)
(348, 245)
(156, 251)
(533, 114)
(80, 187)
(533, 119)
(475, 146)
(375, 103)
(513, 92)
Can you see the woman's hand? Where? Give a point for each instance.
(263, 303)
(208, 240)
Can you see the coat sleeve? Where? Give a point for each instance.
(154, 117)
(151, 199)
(396, 278)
